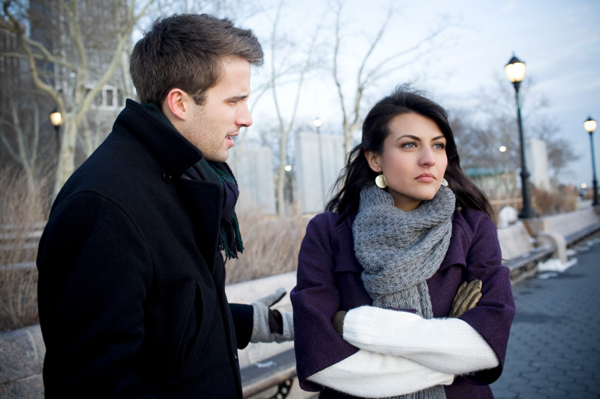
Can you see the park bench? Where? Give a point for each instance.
(521, 253)
(574, 226)
(266, 365)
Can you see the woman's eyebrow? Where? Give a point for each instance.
(416, 138)
(410, 136)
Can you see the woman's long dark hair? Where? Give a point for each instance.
(357, 172)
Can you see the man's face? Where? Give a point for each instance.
(225, 110)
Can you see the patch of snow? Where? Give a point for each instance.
(545, 276)
(555, 265)
(265, 364)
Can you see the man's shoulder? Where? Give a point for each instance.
(116, 171)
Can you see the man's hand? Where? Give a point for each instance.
(467, 297)
(270, 325)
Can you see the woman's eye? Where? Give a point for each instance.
(441, 146)
(408, 145)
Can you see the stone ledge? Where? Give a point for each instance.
(30, 388)
(21, 354)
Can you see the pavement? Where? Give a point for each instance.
(554, 345)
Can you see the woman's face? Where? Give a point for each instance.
(413, 160)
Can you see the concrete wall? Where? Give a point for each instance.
(253, 169)
(537, 163)
(319, 161)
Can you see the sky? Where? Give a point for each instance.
(558, 40)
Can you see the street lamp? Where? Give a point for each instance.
(590, 125)
(318, 122)
(56, 120)
(515, 70)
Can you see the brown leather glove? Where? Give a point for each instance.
(467, 297)
(338, 322)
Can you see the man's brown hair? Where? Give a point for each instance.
(186, 51)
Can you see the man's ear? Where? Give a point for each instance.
(373, 160)
(175, 106)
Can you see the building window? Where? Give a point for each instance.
(110, 98)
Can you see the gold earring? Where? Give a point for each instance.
(444, 182)
(380, 181)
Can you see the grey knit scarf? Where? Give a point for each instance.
(400, 250)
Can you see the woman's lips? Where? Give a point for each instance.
(427, 178)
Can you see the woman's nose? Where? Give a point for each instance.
(427, 158)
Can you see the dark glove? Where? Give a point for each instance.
(338, 322)
(467, 297)
(270, 325)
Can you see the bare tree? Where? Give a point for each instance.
(24, 146)
(22, 141)
(481, 130)
(279, 69)
(368, 74)
(74, 84)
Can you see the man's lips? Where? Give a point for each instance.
(230, 137)
(426, 177)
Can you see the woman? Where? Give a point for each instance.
(406, 229)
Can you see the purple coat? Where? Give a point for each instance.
(329, 279)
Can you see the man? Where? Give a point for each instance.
(131, 284)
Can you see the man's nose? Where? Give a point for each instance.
(243, 117)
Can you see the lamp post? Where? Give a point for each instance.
(318, 122)
(515, 70)
(56, 120)
(590, 125)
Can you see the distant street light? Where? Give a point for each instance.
(583, 185)
(515, 70)
(590, 125)
(56, 120)
(318, 122)
(502, 148)
(288, 168)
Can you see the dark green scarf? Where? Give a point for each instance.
(221, 174)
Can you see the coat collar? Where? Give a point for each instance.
(173, 151)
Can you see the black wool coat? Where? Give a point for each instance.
(131, 279)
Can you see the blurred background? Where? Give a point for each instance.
(64, 78)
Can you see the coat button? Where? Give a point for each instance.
(167, 177)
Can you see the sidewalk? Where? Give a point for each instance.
(554, 346)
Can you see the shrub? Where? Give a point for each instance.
(22, 216)
(553, 202)
(271, 246)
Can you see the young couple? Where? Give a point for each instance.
(132, 260)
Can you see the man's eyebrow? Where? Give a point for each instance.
(238, 98)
